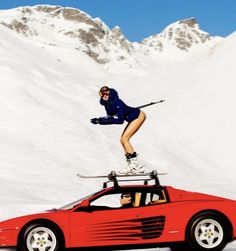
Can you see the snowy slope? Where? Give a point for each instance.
(39, 104)
(49, 93)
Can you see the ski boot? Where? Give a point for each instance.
(133, 166)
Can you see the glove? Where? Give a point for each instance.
(94, 121)
(105, 121)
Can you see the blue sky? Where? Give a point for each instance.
(141, 18)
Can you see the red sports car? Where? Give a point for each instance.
(156, 216)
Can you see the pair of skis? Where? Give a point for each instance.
(112, 175)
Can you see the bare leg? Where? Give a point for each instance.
(130, 130)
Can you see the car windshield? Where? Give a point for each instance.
(77, 202)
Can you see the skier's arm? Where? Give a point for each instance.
(108, 120)
(119, 118)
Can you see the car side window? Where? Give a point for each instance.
(109, 200)
(117, 200)
(155, 197)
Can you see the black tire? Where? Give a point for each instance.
(180, 247)
(40, 235)
(207, 232)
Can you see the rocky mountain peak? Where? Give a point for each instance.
(183, 34)
(76, 30)
(191, 22)
(117, 31)
(81, 31)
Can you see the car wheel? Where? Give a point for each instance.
(207, 231)
(40, 237)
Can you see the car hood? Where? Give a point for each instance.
(18, 222)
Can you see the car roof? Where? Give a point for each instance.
(124, 187)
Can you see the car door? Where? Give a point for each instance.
(105, 225)
(153, 214)
(160, 218)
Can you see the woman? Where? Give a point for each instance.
(118, 112)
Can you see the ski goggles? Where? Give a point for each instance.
(102, 94)
(104, 91)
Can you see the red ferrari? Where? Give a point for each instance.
(128, 217)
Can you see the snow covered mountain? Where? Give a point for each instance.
(72, 28)
(184, 35)
(48, 94)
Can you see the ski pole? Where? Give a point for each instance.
(151, 103)
(139, 107)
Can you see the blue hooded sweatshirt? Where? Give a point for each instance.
(117, 108)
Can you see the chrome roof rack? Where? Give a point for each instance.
(146, 177)
(116, 178)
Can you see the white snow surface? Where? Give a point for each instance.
(48, 94)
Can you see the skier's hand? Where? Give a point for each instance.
(94, 121)
(104, 120)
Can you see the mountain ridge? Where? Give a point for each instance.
(71, 27)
